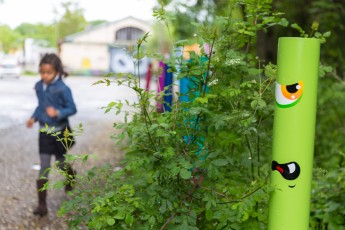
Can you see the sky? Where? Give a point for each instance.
(15, 12)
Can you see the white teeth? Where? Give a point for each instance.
(292, 167)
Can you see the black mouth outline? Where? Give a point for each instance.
(292, 186)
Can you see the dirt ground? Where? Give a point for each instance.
(18, 157)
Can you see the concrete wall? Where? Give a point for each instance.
(79, 57)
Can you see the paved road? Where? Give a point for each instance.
(17, 99)
(19, 150)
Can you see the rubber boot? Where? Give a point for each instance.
(70, 179)
(41, 209)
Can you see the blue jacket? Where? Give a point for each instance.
(58, 95)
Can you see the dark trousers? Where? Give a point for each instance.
(50, 145)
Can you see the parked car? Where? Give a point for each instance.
(10, 67)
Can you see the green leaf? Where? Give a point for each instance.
(245, 216)
(284, 22)
(250, 33)
(59, 185)
(120, 215)
(163, 207)
(209, 214)
(332, 206)
(152, 220)
(327, 34)
(202, 100)
(208, 205)
(98, 82)
(185, 174)
(271, 70)
(139, 55)
(186, 164)
(110, 221)
(258, 103)
(328, 69)
(129, 219)
(220, 162)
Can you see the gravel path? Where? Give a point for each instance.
(19, 145)
(18, 155)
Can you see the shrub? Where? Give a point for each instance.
(204, 164)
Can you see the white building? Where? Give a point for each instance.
(102, 49)
(34, 50)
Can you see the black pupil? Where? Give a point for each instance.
(292, 88)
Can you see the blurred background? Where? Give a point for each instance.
(95, 37)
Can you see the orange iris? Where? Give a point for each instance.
(292, 92)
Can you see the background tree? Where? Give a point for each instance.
(197, 11)
(9, 39)
(96, 22)
(39, 32)
(329, 15)
(72, 21)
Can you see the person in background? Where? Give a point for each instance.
(55, 105)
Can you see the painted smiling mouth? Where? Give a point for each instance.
(292, 186)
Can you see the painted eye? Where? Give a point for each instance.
(288, 95)
(290, 171)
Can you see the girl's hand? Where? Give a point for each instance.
(51, 111)
(30, 123)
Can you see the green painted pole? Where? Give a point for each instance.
(293, 133)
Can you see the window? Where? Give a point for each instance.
(128, 34)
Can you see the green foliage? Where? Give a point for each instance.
(8, 39)
(72, 21)
(65, 137)
(65, 169)
(329, 184)
(41, 32)
(328, 14)
(314, 32)
(328, 197)
(200, 165)
(204, 164)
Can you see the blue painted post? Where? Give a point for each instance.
(168, 92)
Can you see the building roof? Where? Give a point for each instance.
(72, 37)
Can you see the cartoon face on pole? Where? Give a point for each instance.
(293, 133)
(286, 97)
